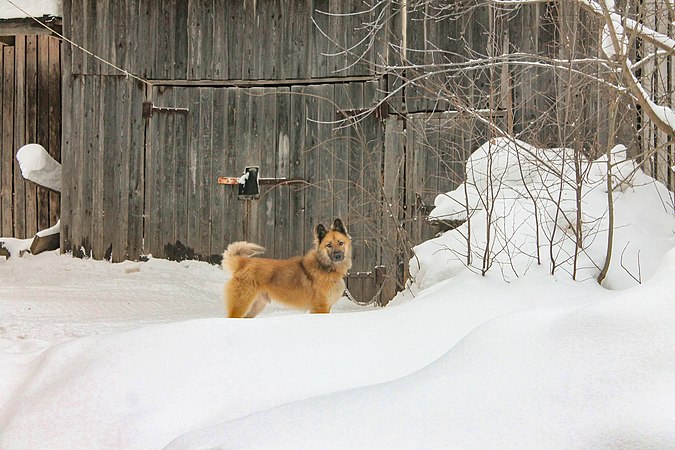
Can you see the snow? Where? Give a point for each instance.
(34, 8)
(503, 180)
(15, 246)
(39, 167)
(138, 355)
(55, 229)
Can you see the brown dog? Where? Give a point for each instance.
(312, 282)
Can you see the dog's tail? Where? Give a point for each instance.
(241, 249)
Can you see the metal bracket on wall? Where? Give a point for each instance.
(249, 182)
(149, 108)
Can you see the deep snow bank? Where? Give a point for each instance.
(522, 208)
(595, 376)
(145, 387)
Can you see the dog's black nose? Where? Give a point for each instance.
(337, 256)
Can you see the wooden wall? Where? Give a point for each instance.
(30, 101)
(261, 89)
(215, 39)
(289, 132)
(103, 173)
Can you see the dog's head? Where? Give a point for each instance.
(334, 245)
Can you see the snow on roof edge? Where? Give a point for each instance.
(32, 8)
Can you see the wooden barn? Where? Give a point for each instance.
(172, 96)
(30, 102)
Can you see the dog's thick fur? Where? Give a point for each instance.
(312, 282)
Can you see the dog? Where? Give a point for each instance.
(312, 282)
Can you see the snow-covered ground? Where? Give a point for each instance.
(96, 355)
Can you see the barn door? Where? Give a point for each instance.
(196, 135)
(313, 169)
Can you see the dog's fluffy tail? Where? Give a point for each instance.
(242, 249)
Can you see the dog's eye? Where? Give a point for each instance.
(329, 245)
(341, 242)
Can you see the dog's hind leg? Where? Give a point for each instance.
(260, 302)
(239, 298)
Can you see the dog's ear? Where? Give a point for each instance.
(320, 232)
(339, 226)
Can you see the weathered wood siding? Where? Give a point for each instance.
(262, 88)
(30, 101)
(438, 146)
(103, 171)
(215, 39)
(501, 58)
(289, 133)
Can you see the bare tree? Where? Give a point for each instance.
(581, 75)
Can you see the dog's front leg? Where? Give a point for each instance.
(320, 307)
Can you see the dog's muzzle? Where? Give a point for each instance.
(337, 256)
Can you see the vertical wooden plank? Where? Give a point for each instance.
(117, 190)
(308, 66)
(235, 30)
(324, 155)
(221, 48)
(90, 130)
(166, 38)
(297, 219)
(267, 116)
(195, 41)
(310, 156)
(298, 64)
(274, 27)
(134, 175)
(55, 119)
(19, 135)
(241, 127)
(373, 202)
(7, 161)
(286, 45)
(105, 46)
(204, 170)
(320, 44)
(413, 138)
(206, 36)
(394, 161)
(340, 147)
(357, 194)
(110, 159)
(153, 154)
(166, 153)
(180, 60)
(283, 169)
(102, 162)
(75, 168)
(66, 139)
(31, 103)
(118, 17)
(193, 168)
(232, 226)
(43, 123)
(93, 32)
(251, 153)
(144, 47)
(75, 27)
(247, 41)
(182, 178)
(133, 35)
(3, 203)
(218, 168)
